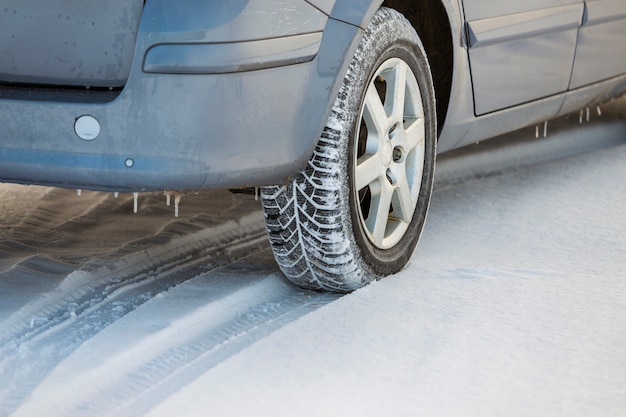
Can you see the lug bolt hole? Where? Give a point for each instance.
(392, 131)
(397, 154)
(390, 177)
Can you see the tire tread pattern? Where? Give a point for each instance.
(307, 220)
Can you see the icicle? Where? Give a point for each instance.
(545, 129)
(168, 196)
(79, 192)
(537, 132)
(580, 118)
(116, 194)
(256, 193)
(135, 198)
(176, 202)
(587, 114)
(599, 111)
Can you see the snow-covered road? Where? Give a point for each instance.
(513, 304)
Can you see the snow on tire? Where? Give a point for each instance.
(356, 211)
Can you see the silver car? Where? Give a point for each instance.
(336, 108)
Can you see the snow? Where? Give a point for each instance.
(154, 329)
(514, 303)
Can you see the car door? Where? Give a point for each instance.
(520, 51)
(601, 50)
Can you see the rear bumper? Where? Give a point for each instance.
(179, 131)
(186, 120)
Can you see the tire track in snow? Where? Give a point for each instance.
(39, 335)
(224, 311)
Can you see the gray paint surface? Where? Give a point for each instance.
(520, 57)
(184, 119)
(191, 130)
(221, 58)
(601, 52)
(86, 43)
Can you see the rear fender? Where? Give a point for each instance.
(354, 12)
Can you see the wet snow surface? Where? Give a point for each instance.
(513, 304)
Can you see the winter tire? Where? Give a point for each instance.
(356, 211)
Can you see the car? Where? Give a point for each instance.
(335, 108)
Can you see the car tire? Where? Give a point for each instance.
(356, 211)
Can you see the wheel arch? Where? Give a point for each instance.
(431, 20)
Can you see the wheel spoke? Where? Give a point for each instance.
(396, 93)
(367, 171)
(379, 215)
(374, 114)
(414, 133)
(403, 203)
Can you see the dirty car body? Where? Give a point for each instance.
(213, 93)
(133, 95)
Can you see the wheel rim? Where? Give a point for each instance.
(389, 154)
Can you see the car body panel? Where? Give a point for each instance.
(520, 56)
(223, 58)
(225, 94)
(86, 43)
(463, 127)
(183, 131)
(354, 12)
(601, 51)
